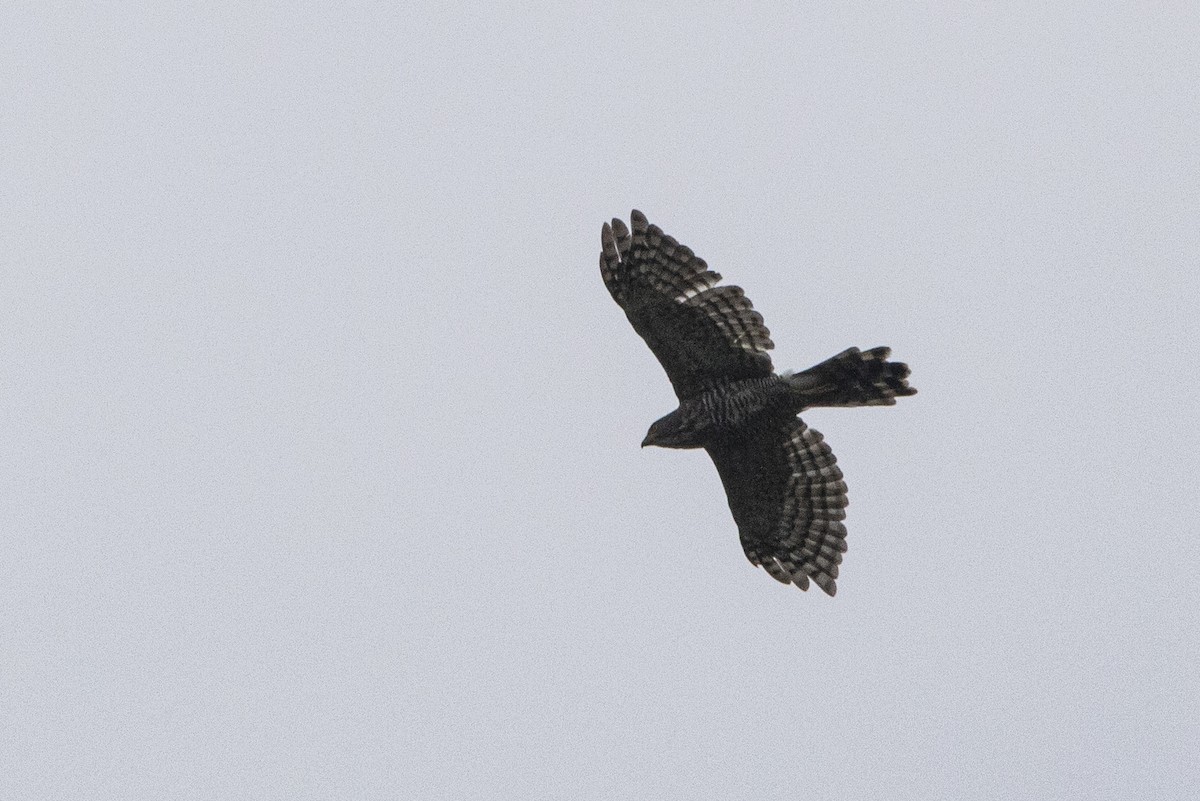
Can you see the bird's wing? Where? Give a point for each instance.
(702, 334)
(788, 498)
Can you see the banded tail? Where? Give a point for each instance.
(854, 378)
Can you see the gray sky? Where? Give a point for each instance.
(321, 472)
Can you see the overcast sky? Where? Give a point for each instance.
(321, 474)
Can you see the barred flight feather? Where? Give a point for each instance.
(703, 334)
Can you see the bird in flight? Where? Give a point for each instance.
(782, 481)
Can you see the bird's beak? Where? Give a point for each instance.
(646, 441)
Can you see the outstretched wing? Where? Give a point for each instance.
(702, 334)
(788, 498)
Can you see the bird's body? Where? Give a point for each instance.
(782, 481)
(725, 411)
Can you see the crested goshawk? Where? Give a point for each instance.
(784, 487)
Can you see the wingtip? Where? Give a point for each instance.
(826, 583)
(607, 241)
(621, 232)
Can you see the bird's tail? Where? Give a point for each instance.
(854, 378)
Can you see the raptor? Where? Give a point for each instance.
(783, 484)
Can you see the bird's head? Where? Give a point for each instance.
(672, 431)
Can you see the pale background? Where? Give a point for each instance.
(321, 475)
